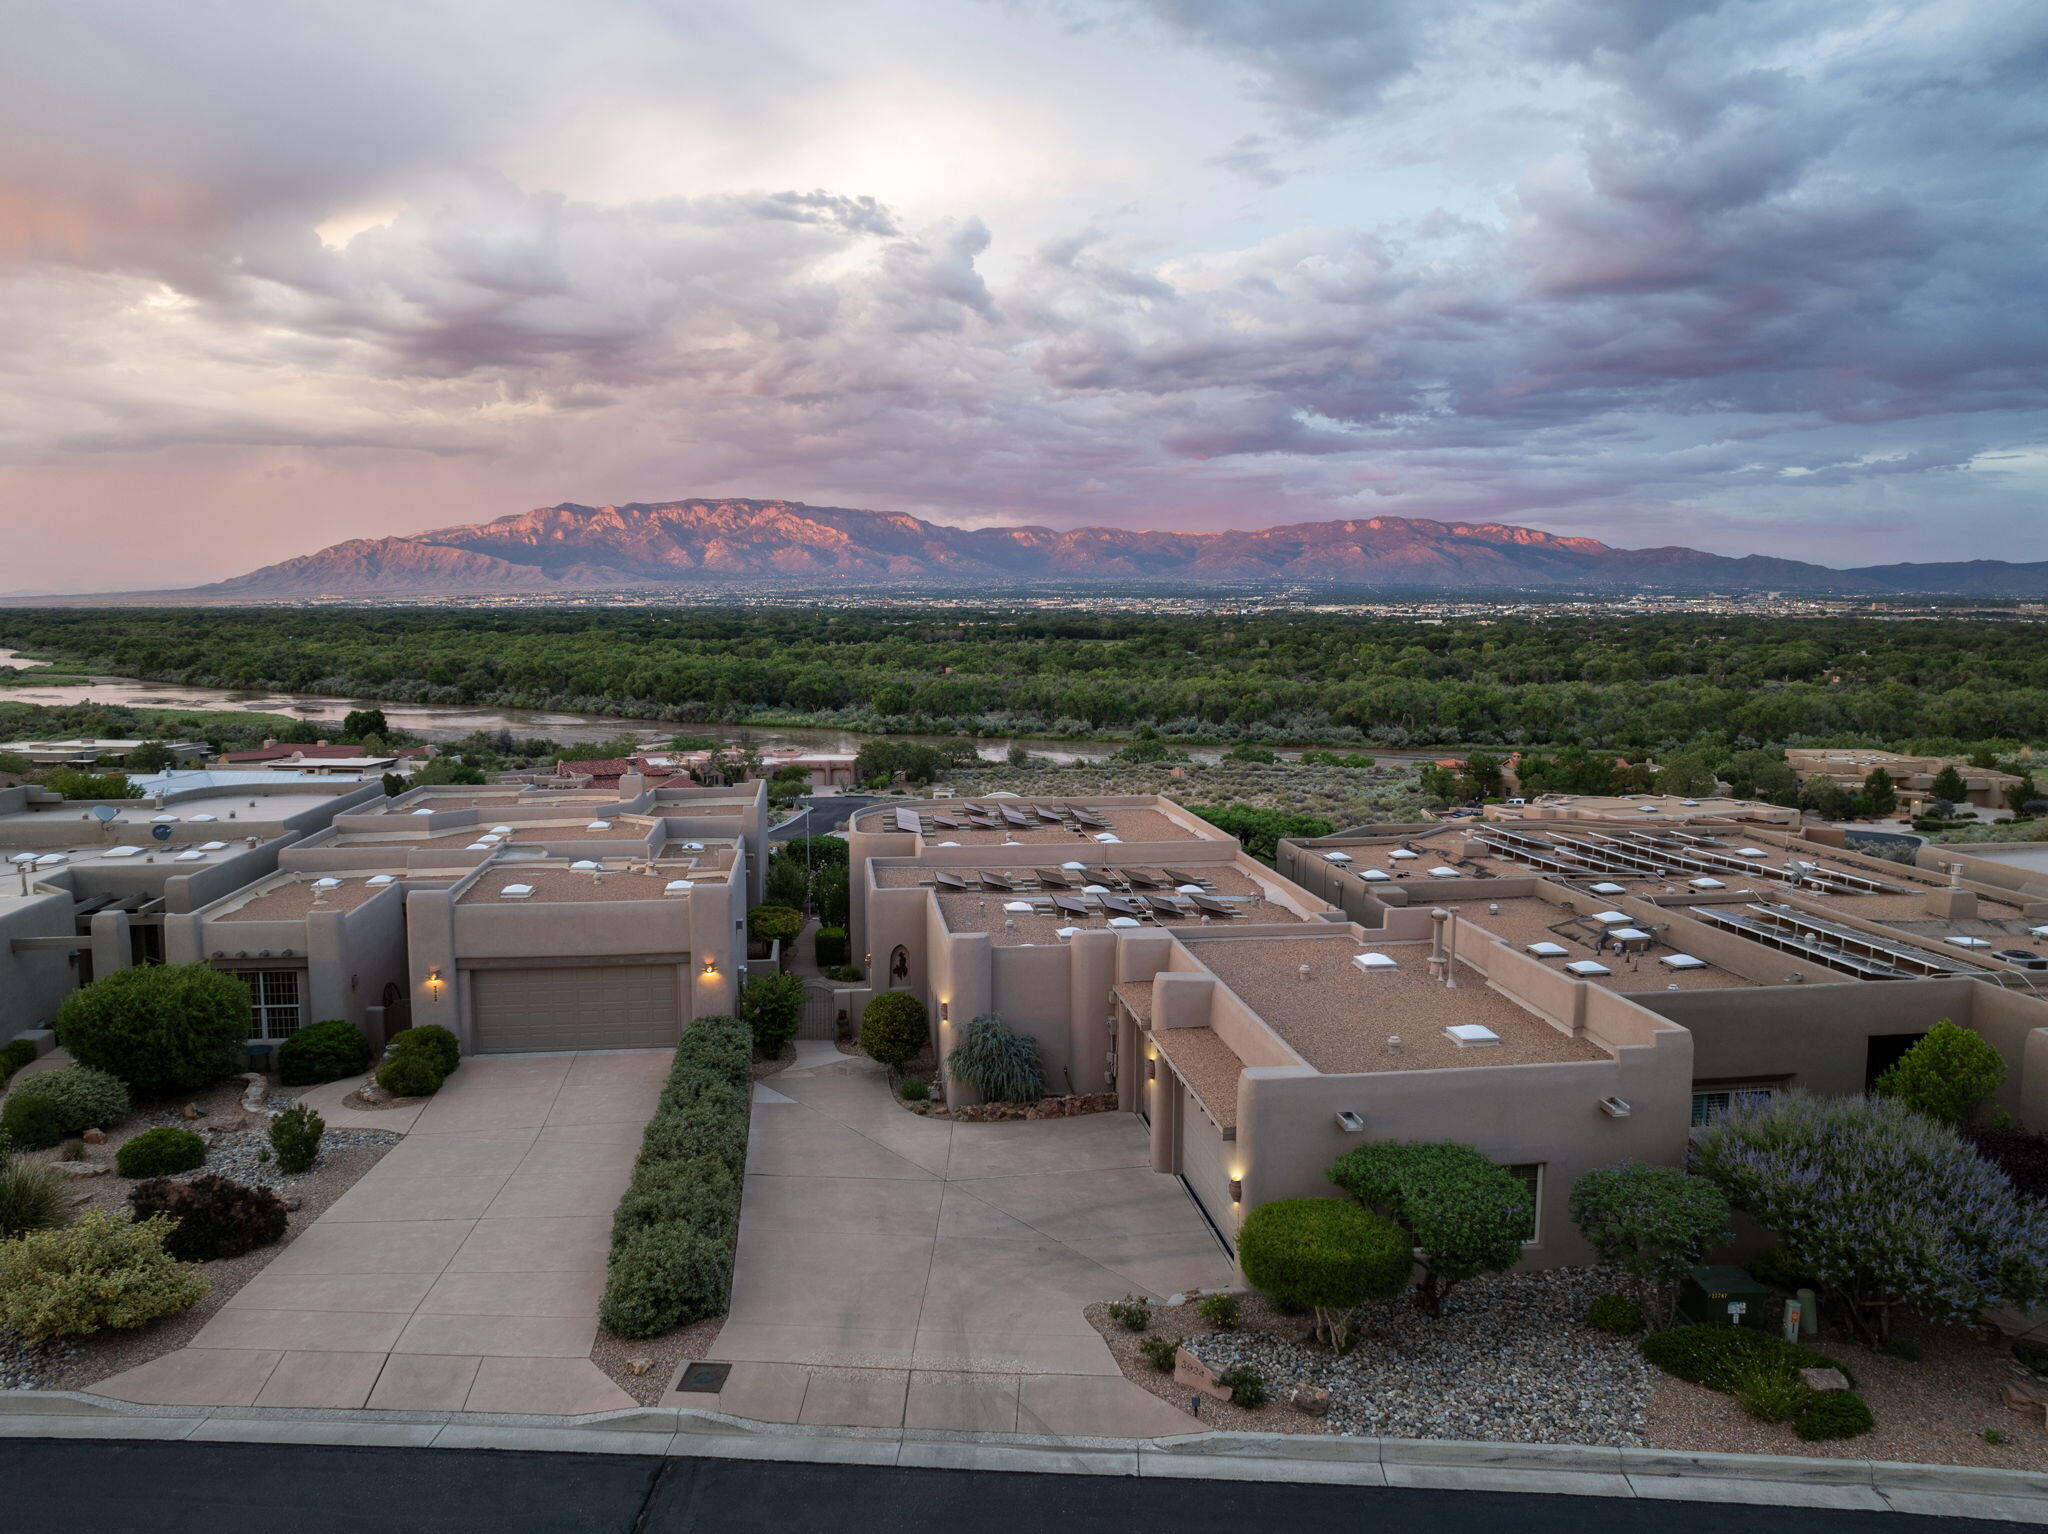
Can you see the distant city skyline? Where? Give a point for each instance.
(1755, 276)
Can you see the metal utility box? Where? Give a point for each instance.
(1710, 1294)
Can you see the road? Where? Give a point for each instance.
(224, 1488)
(817, 816)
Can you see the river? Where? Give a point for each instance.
(453, 721)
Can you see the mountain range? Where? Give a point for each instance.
(572, 548)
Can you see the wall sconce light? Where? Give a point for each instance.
(1237, 1190)
(1152, 1070)
(710, 966)
(434, 978)
(945, 1012)
(867, 961)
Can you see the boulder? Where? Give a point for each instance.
(1824, 1379)
(193, 1111)
(94, 1137)
(1310, 1400)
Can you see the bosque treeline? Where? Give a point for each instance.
(1619, 681)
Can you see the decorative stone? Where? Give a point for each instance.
(638, 1366)
(1310, 1400)
(254, 1093)
(292, 1202)
(82, 1168)
(194, 1111)
(1824, 1379)
(1191, 1372)
(94, 1137)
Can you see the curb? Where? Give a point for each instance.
(2014, 1496)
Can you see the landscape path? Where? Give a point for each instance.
(461, 1273)
(901, 1271)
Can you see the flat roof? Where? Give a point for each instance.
(166, 857)
(289, 897)
(1128, 822)
(980, 909)
(1208, 1066)
(1339, 1020)
(1525, 920)
(257, 809)
(555, 884)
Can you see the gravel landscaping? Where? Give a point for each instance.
(1510, 1361)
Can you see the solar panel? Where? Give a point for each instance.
(1181, 876)
(1015, 818)
(993, 881)
(1165, 906)
(1052, 879)
(1070, 905)
(1120, 906)
(1110, 876)
(906, 820)
(1138, 881)
(1213, 906)
(947, 821)
(946, 881)
(1050, 817)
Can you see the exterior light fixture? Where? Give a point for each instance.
(945, 1012)
(1614, 1107)
(434, 978)
(1152, 1070)
(1350, 1122)
(1237, 1190)
(710, 965)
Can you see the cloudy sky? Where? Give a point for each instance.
(1762, 275)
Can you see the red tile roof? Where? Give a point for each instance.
(604, 767)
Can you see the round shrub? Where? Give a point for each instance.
(323, 1052)
(1718, 1356)
(1833, 1414)
(99, 1271)
(915, 1091)
(216, 1218)
(1615, 1313)
(774, 923)
(895, 1028)
(434, 1042)
(32, 1123)
(162, 1028)
(78, 1099)
(14, 1055)
(1158, 1352)
(1220, 1311)
(155, 1152)
(1247, 1386)
(295, 1139)
(409, 1074)
(1324, 1254)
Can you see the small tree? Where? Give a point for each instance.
(1880, 795)
(1946, 1075)
(1886, 1208)
(1483, 771)
(1948, 784)
(1652, 1222)
(1465, 1215)
(1002, 1066)
(161, 1028)
(150, 756)
(362, 722)
(73, 784)
(895, 1028)
(1688, 777)
(774, 923)
(772, 1006)
(1326, 1254)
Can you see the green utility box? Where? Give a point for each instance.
(1710, 1294)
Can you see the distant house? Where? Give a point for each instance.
(320, 757)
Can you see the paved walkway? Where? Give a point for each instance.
(897, 1271)
(462, 1273)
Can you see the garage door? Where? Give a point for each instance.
(1205, 1162)
(624, 1007)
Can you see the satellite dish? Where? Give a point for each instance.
(104, 813)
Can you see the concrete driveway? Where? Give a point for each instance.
(904, 1271)
(462, 1273)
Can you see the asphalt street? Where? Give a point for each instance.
(224, 1488)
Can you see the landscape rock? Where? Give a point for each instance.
(94, 1137)
(1310, 1400)
(638, 1366)
(255, 1092)
(194, 1111)
(1824, 1379)
(82, 1168)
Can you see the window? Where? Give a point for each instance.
(273, 1002)
(1530, 1175)
(1711, 1104)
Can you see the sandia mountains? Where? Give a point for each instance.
(700, 542)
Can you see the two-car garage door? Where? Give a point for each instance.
(603, 1007)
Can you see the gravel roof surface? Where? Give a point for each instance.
(1339, 1019)
(1529, 920)
(1132, 823)
(293, 895)
(558, 884)
(983, 912)
(1137, 995)
(1208, 1066)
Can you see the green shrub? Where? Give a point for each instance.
(1833, 1414)
(1220, 1311)
(895, 1028)
(2032, 1352)
(435, 1043)
(410, 1073)
(1776, 1266)
(1615, 1313)
(295, 1139)
(78, 1099)
(774, 923)
(1247, 1386)
(323, 1052)
(829, 945)
(1767, 1390)
(14, 1055)
(851, 974)
(215, 1218)
(1945, 1075)
(915, 1091)
(155, 1152)
(1465, 1214)
(1130, 1312)
(675, 1229)
(33, 1123)
(1716, 1355)
(1002, 1066)
(32, 1196)
(161, 1028)
(1158, 1352)
(773, 1006)
(101, 1271)
(1323, 1254)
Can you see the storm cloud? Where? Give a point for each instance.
(1754, 275)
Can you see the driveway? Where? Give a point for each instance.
(462, 1273)
(903, 1271)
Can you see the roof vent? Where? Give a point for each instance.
(1471, 1035)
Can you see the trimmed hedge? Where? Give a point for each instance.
(323, 1052)
(675, 1229)
(161, 1028)
(431, 1042)
(19, 1052)
(1833, 1414)
(830, 946)
(155, 1152)
(410, 1073)
(44, 1108)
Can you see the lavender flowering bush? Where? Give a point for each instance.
(1884, 1207)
